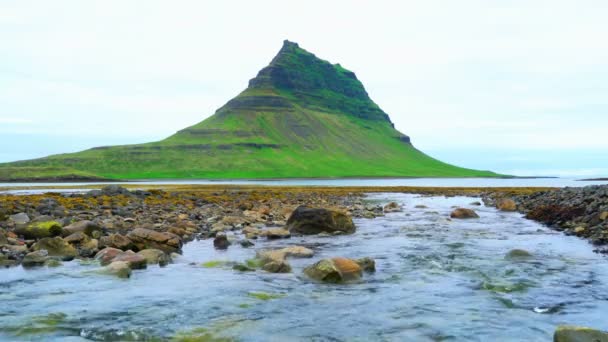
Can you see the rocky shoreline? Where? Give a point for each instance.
(575, 211)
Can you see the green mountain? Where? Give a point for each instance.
(300, 117)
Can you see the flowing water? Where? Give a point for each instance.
(436, 280)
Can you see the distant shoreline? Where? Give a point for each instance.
(104, 181)
(592, 179)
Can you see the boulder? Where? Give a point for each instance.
(106, 255)
(221, 242)
(567, 333)
(134, 260)
(335, 270)
(506, 204)
(120, 269)
(37, 258)
(518, 254)
(19, 219)
(463, 213)
(87, 227)
(273, 261)
(155, 257)
(307, 221)
(116, 241)
(56, 247)
(146, 238)
(39, 230)
(392, 207)
(277, 267)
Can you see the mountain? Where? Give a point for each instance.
(299, 117)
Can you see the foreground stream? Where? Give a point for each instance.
(436, 280)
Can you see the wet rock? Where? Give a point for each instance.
(566, 333)
(518, 254)
(52, 263)
(246, 243)
(420, 206)
(116, 241)
(242, 268)
(3, 238)
(87, 227)
(19, 219)
(308, 221)
(155, 257)
(367, 264)
(89, 248)
(145, 238)
(135, 261)
(39, 230)
(392, 207)
(276, 233)
(119, 269)
(297, 252)
(273, 261)
(37, 258)
(476, 203)
(221, 242)
(6, 262)
(56, 247)
(106, 255)
(277, 267)
(463, 213)
(335, 270)
(506, 204)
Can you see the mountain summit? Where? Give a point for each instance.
(301, 116)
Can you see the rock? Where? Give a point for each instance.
(87, 227)
(221, 242)
(39, 230)
(120, 269)
(518, 254)
(77, 238)
(604, 216)
(116, 241)
(246, 243)
(463, 213)
(476, 203)
(277, 267)
(392, 207)
(273, 261)
(106, 255)
(335, 270)
(37, 258)
(89, 248)
(114, 189)
(3, 239)
(566, 333)
(146, 238)
(155, 257)
(19, 219)
(56, 247)
(297, 252)
(276, 233)
(316, 220)
(506, 204)
(367, 264)
(420, 206)
(579, 230)
(135, 261)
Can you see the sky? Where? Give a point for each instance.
(517, 87)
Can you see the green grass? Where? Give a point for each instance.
(322, 124)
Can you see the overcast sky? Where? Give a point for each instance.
(513, 86)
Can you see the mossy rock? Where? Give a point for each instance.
(518, 254)
(56, 247)
(336, 270)
(567, 333)
(39, 230)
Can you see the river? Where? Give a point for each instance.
(436, 279)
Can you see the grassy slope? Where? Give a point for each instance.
(310, 119)
(312, 144)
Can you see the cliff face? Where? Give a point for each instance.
(300, 116)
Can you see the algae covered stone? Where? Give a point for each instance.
(39, 230)
(463, 213)
(56, 247)
(335, 270)
(308, 221)
(568, 333)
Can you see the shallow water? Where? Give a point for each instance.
(432, 182)
(436, 280)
